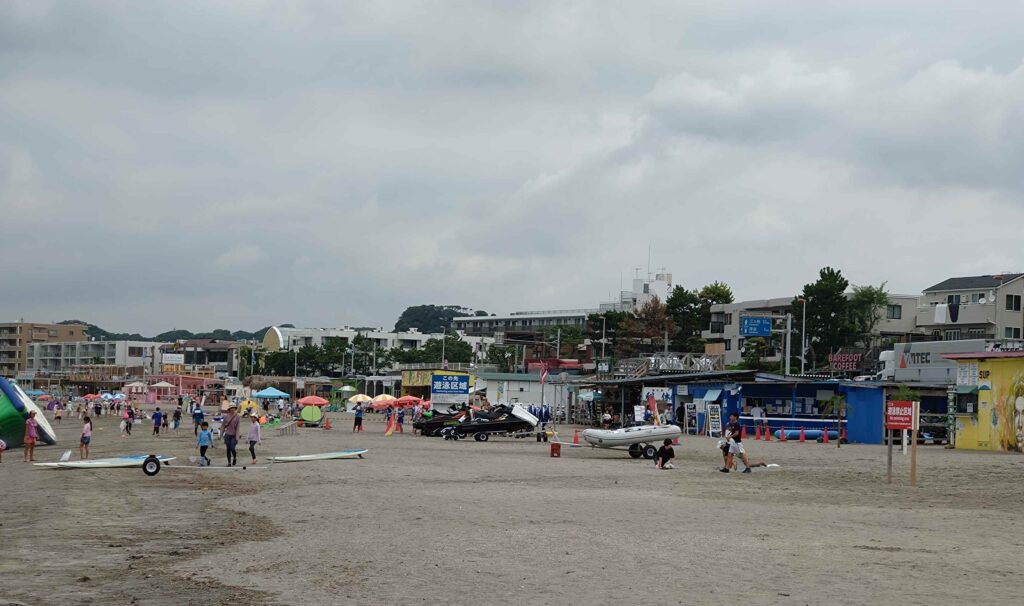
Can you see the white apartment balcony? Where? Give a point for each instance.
(969, 313)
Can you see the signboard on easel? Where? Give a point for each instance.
(714, 413)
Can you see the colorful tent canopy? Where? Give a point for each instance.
(313, 401)
(311, 414)
(270, 392)
(162, 385)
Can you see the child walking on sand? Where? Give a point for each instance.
(204, 442)
(157, 418)
(83, 442)
(31, 435)
(254, 437)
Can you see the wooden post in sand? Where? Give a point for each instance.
(913, 444)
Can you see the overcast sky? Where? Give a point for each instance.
(216, 164)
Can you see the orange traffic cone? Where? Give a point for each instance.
(757, 431)
(803, 438)
(844, 435)
(576, 438)
(767, 433)
(327, 425)
(675, 440)
(782, 434)
(825, 432)
(743, 432)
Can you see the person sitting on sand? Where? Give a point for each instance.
(665, 455)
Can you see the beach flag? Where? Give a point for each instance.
(653, 405)
(543, 375)
(390, 428)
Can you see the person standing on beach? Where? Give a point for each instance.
(158, 417)
(31, 435)
(254, 437)
(400, 419)
(358, 425)
(57, 413)
(229, 431)
(83, 442)
(197, 419)
(165, 421)
(177, 418)
(758, 414)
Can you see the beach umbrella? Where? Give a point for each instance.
(408, 401)
(119, 396)
(384, 397)
(313, 401)
(163, 385)
(44, 397)
(92, 396)
(360, 398)
(107, 396)
(346, 389)
(270, 392)
(248, 407)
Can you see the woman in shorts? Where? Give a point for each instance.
(83, 442)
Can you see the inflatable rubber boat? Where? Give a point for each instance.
(640, 440)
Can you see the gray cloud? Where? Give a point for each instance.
(238, 164)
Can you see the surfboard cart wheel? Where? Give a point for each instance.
(151, 466)
(635, 451)
(649, 452)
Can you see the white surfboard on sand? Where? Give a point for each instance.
(323, 456)
(112, 462)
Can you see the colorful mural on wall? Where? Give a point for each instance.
(996, 420)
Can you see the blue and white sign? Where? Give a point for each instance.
(755, 326)
(449, 388)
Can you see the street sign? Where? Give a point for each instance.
(755, 326)
(900, 416)
(446, 388)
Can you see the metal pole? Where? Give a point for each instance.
(803, 340)
(444, 335)
(789, 341)
(558, 344)
(604, 338)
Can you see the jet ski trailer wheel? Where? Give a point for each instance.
(151, 466)
(481, 437)
(636, 451)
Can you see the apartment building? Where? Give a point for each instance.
(725, 335)
(16, 337)
(60, 357)
(973, 307)
(279, 338)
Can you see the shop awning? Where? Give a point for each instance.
(712, 395)
(967, 389)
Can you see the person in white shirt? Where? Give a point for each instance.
(758, 414)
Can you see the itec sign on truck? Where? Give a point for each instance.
(901, 415)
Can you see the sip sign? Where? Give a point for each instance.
(447, 388)
(901, 415)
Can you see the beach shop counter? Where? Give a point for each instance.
(787, 406)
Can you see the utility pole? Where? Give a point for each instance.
(444, 337)
(558, 344)
(789, 340)
(803, 339)
(604, 337)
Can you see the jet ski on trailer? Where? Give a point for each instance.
(503, 420)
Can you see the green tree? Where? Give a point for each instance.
(456, 351)
(645, 331)
(686, 309)
(866, 307)
(610, 322)
(565, 339)
(311, 361)
(430, 318)
(502, 356)
(828, 317)
(755, 350)
(276, 363)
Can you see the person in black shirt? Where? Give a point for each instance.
(734, 435)
(665, 455)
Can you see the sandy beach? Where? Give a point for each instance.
(423, 520)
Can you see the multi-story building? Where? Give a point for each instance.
(204, 358)
(15, 338)
(724, 335)
(643, 291)
(521, 322)
(61, 357)
(279, 338)
(973, 307)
